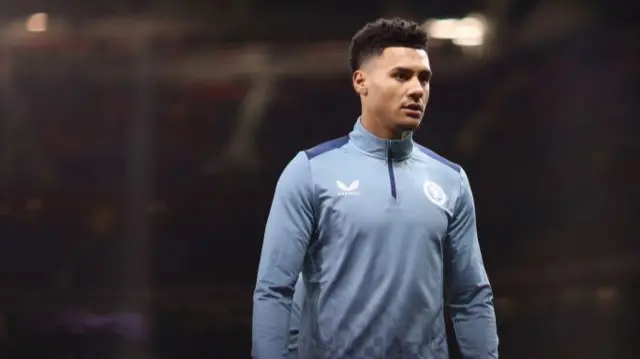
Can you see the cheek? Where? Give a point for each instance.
(386, 93)
(386, 100)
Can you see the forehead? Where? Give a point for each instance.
(405, 57)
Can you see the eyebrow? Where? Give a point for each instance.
(406, 69)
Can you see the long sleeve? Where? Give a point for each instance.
(470, 294)
(299, 295)
(288, 232)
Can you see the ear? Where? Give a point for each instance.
(359, 80)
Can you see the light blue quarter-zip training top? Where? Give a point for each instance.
(373, 225)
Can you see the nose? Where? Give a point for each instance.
(417, 90)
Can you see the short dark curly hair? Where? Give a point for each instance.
(376, 36)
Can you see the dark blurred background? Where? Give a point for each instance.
(141, 141)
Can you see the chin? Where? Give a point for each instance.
(409, 123)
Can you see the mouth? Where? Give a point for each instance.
(413, 110)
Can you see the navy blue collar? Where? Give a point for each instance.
(378, 147)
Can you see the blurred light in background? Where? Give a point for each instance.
(607, 296)
(37, 22)
(607, 301)
(443, 29)
(468, 31)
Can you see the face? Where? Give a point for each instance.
(394, 87)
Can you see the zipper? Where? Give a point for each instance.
(392, 176)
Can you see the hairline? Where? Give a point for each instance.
(378, 52)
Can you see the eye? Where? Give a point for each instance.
(424, 78)
(400, 76)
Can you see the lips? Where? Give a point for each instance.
(413, 107)
(413, 110)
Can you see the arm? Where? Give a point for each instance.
(287, 234)
(470, 294)
(299, 294)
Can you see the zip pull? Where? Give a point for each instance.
(392, 177)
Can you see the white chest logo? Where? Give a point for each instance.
(434, 193)
(350, 190)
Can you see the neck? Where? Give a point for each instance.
(377, 146)
(376, 126)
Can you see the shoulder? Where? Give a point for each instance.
(429, 155)
(299, 168)
(448, 176)
(326, 147)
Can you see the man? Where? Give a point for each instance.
(373, 221)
